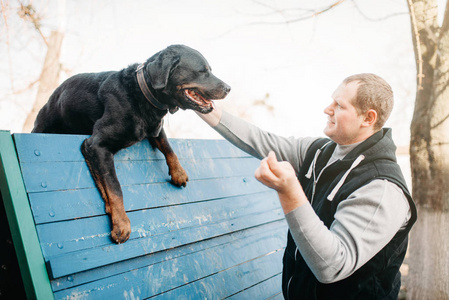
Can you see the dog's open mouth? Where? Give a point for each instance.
(197, 98)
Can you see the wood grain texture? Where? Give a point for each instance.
(221, 236)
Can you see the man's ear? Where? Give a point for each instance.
(370, 118)
(161, 67)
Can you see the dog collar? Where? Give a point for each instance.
(147, 92)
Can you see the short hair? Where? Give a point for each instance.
(373, 92)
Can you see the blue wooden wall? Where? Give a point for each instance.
(222, 236)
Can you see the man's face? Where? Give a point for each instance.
(344, 123)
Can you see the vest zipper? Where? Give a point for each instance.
(315, 181)
(312, 170)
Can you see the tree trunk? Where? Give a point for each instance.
(429, 151)
(49, 78)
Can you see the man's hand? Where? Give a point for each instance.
(281, 177)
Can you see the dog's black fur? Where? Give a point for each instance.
(111, 107)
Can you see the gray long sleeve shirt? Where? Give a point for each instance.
(364, 223)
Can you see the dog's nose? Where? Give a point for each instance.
(227, 88)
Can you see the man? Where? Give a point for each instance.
(345, 200)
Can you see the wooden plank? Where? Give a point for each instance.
(254, 252)
(70, 204)
(278, 296)
(29, 255)
(48, 147)
(62, 237)
(278, 228)
(42, 177)
(61, 147)
(73, 262)
(229, 281)
(266, 289)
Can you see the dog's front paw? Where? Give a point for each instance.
(121, 230)
(179, 176)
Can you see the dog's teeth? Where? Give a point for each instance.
(197, 98)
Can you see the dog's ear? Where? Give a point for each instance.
(161, 67)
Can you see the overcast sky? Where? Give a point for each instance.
(294, 67)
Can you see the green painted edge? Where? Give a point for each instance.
(21, 223)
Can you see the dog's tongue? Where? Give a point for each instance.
(192, 95)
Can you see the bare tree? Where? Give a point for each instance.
(49, 77)
(27, 14)
(429, 151)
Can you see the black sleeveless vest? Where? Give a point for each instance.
(379, 278)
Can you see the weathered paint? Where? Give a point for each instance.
(221, 236)
(23, 232)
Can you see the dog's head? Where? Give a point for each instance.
(182, 78)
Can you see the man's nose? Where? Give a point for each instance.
(328, 110)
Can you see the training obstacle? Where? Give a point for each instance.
(222, 236)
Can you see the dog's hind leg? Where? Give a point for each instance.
(48, 121)
(175, 170)
(101, 165)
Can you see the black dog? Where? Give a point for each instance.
(121, 108)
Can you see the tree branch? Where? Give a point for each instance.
(418, 44)
(445, 25)
(28, 13)
(8, 45)
(377, 19)
(312, 15)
